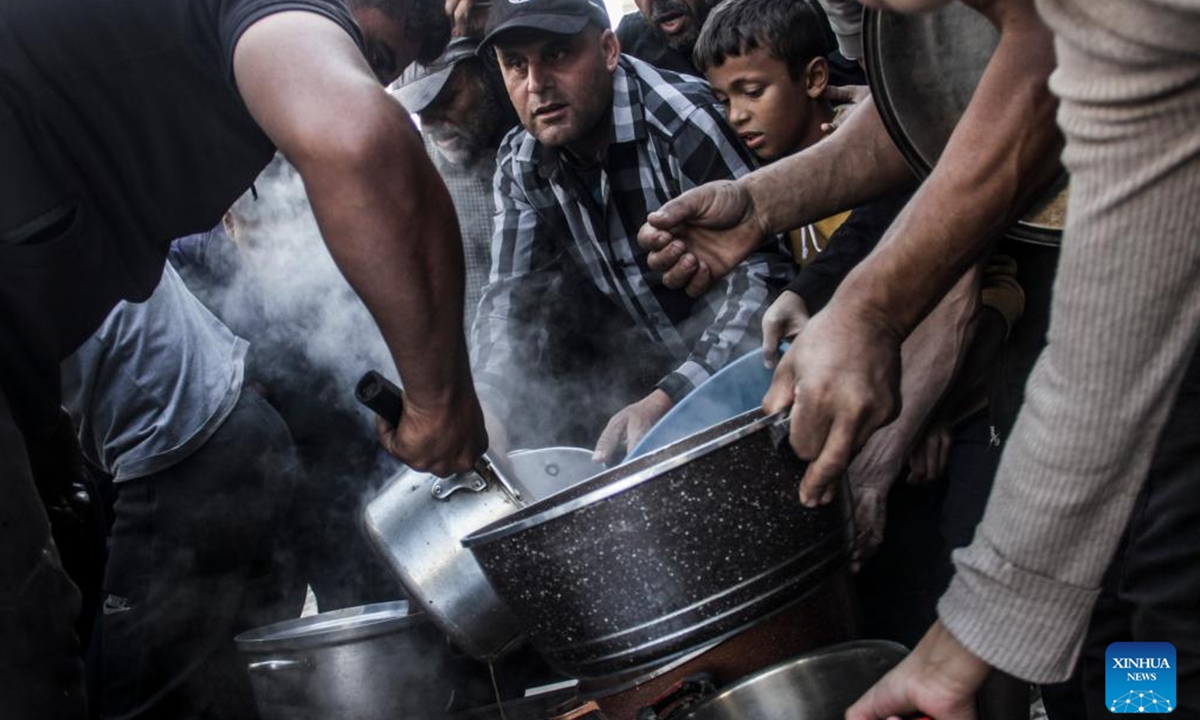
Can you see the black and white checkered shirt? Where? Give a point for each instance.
(668, 136)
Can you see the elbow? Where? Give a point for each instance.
(366, 137)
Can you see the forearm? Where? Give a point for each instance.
(856, 164)
(1003, 151)
(391, 228)
(930, 358)
(1124, 326)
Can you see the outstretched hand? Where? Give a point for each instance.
(627, 427)
(698, 237)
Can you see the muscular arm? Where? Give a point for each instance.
(384, 213)
(1003, 151)
(854, 165)
(701, 235)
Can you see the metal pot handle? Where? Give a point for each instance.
(305, 664)
(387, 400)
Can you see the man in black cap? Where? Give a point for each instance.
(606, 139)
(464, 113)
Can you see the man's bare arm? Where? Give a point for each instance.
(384, 213)
(698, 237)
(1003, 151)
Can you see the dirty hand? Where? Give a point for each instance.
(850, 97)
(440, 440)
(930, 455)
(841, 377)
(782, 321)
(938, 678)
(698, 237)
(628, 426)
(871, 477)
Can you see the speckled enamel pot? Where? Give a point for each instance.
(656, 557)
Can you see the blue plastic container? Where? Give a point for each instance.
(736, 388)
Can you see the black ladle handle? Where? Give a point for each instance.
(380, 395)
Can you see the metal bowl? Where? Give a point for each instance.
(923, 69)
(816, 686)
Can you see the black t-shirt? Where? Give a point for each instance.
(120, 129)
(850, 244)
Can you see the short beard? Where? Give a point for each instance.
(479, 130)
(685, 42)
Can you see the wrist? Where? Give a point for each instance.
(960, 668)
(757, 188)
(659, 400)
(862, 297)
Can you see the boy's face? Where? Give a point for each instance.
(772, 113)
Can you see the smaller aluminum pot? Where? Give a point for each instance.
(375, 662)
(817, 685)
(417, 520)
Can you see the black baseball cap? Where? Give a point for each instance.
(561, 17)
(420, 84)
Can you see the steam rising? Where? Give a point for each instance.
(311, 307)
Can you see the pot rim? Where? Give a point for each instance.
(329, 628)
(808, 658)
(546, 510)
(915, 155)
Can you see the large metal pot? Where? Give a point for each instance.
(923, 69)
(376, 662)
(659, 556)
(819, 685)
(817, 620)
(417, 523)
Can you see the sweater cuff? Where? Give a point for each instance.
(1028, 625)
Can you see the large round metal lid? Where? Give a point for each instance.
(332, 627)
(923, 69)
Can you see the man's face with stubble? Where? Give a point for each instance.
(679, 20)
(465, 118)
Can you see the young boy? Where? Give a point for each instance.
(765, 60)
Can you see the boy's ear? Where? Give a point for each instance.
(816, 77)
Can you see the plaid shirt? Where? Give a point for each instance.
(668, 136)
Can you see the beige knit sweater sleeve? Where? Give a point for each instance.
(1124, 324)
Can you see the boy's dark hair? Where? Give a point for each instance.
(790, 30)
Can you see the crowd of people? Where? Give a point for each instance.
(583, 226)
